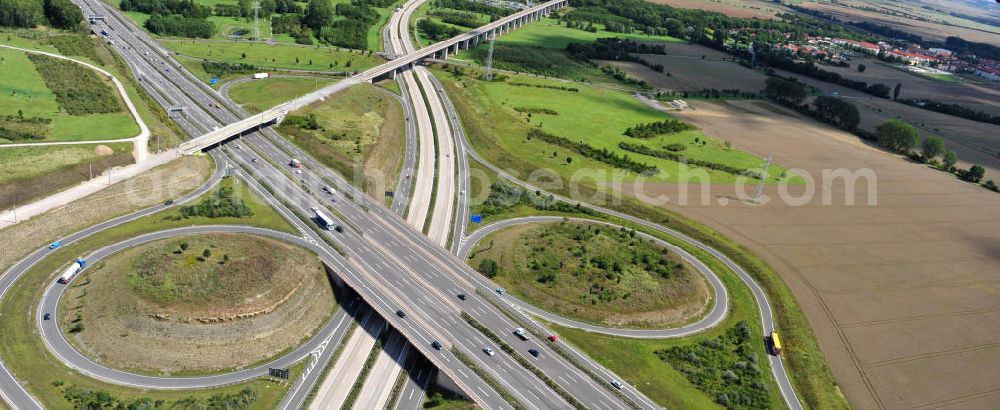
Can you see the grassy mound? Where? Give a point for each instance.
(593, 273)
(190, 304)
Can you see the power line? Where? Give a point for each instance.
(760, 185)
(489, 59)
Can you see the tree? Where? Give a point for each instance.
(895, 91)
(62, 13)
(184, 246)
(932, 147)
(207, 254)
(974, 174)
(20, 13)
(319, 13)
(861, 68)
(838, 112)
(785, 91)
(896, 135)
(489, 267)
(950, 159)
(992, 186)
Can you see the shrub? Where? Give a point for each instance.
(78, 90)
(489, 267)
(653, 129)
(220, 204)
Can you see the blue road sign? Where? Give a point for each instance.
(214, 81)
(476, 218)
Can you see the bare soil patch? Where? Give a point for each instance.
(692, 73)
(178, 310)
(151, 187)
(596, 274)
(901, 294)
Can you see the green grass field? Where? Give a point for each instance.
(592, 273)
(278, 56)
(360, 134)
(598, 117)
(22, 88)
(259, 95)
(636, 362)
(30, 162)
(549, 34)
(28, 358)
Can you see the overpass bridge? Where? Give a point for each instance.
(389, 69)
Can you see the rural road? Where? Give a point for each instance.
(719, 300)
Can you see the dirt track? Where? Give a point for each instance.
(902, 295)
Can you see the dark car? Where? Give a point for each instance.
(534, 352)
(339, 228)
(461, 296)
(400, 313)
(47, 316)
(436, 345)
(169, 202)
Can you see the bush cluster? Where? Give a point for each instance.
(220, 204)
(725, 367)
(604, 155)
(85, 398)
(654, 129)
(78, 90)
(505, 195)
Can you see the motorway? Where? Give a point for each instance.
(390, 264)
(415, 274)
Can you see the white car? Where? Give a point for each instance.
(298, 171)
(618, 385)
(489, 351)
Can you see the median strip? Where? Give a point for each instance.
(524, 362)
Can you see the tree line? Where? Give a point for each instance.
(953, 109)
(61, 14)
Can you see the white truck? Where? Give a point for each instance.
(260, 76)
(72, 270)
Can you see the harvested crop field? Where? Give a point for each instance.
(983, 95)
(927, 29)
(902, 295)
(974, 142)
(734, 8)
(691, 73)
(197, 303)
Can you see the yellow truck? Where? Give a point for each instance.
(775, 344)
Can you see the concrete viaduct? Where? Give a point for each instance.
(389, 69)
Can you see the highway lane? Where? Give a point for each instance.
(60, 347)
(372, 259)
(333, 391)
(716, 313)
(386, 238)
(419, 375)
(444, 187)
(463, 176)
(465, 268)
(378, 386)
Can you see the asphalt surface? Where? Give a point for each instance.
(715, 315)
(390, 264)
(378, 274)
